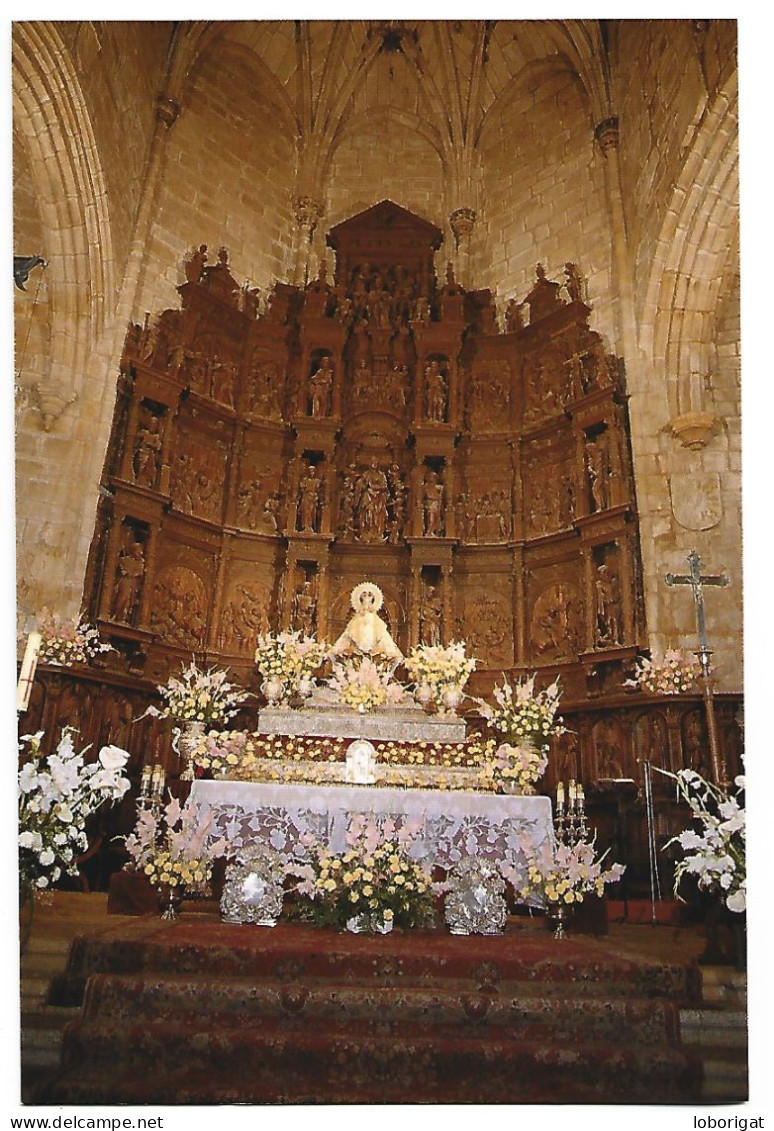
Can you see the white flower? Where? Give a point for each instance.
(47, 857)
(41, 882)
(28, 778)
(737, 901)
(31, 840)
(113, 757)
(65, 814)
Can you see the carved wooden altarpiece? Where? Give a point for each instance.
(268, 455)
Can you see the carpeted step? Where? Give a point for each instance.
(175, 1064)
(531, 959)
(447, 1006)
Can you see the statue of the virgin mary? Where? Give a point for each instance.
(366, 633)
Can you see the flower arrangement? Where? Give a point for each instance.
(439, 673)
(566, 873)
(373, 885)
(673, 674)
(201, 697)
(56, 796)
(68, 642)
(174, 848)
(523, 714)
(514, 767)
(715, 852)
(360, 684)
(287, 661)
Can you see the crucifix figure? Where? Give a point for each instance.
(697, 581)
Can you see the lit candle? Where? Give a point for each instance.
(27, 673)
(560, 796)
(145, 781)
(581, 798)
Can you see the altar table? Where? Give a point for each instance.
(450, 823)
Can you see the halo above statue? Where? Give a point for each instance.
(366, 587)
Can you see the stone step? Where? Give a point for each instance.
(725, 1077)
(714, 1027)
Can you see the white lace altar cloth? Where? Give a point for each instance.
(449, 824)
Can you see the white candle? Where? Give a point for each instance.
(560, 795)
(27, 673)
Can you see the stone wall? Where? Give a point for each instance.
(542, 193)
(230, 159)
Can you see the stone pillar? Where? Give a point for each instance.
(461, 222)
(306, 212)
(607, 135)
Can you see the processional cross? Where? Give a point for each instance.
(697, 581)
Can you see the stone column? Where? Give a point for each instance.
(461, 222)
(306, 212)
(607, 135)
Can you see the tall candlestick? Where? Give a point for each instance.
(27, 673)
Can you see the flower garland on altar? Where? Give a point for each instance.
(373, 885)
(64, 642)
(673, 674)
(301, 758)
(57, 794)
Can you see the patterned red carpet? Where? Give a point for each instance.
(199, 1012)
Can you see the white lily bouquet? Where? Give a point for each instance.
(715, 850)
(523, 714)
(362, 685)
(287, 661)
(201, 696)
(672, 674)
(57, 794)
(440, 674)
(67, 642)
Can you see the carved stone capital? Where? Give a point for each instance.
(306, 212)
(167, 110)
(694, 430)
(462, 221)
(606, 134)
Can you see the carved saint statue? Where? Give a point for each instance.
(309, 499)
(147, 452)
(607, 593)
(435, 392)
(366, 633)
(305, 609)
(320, 385)
(431, 616)
(131, 568)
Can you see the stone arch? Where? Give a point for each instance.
(56, 132)
(695, 252)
